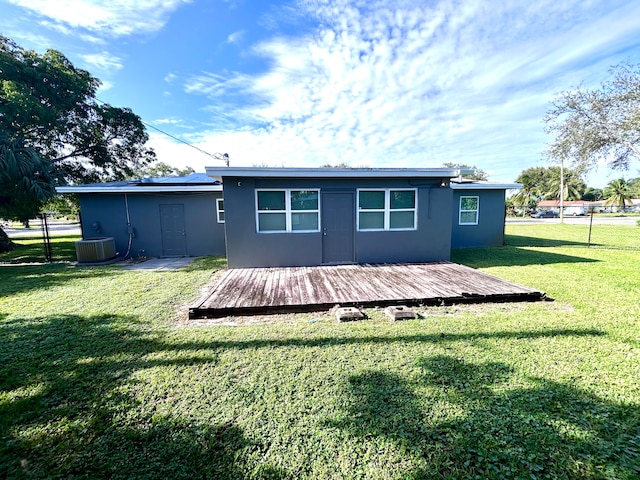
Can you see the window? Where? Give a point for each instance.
(469, 207)
(287, 211)
(386, 209)
(220, 209)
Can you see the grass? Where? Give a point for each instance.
(99, 380)
(31, 249)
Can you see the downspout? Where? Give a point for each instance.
(129, 228)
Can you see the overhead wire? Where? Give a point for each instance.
(216, 156)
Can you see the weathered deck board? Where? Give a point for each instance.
(271, 290)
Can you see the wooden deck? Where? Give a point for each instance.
(251, 291)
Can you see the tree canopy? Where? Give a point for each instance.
(52, 106)
(53, 130)
(161, 169)
(599, 125)
(618, 193)
(478, 174)
(540, 183)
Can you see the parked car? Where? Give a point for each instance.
(545, 214)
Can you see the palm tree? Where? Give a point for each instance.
(528, 196)
(618, 193)
(25, 183)
(574, 187)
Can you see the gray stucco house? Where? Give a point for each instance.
(155, 217)
(319, 216)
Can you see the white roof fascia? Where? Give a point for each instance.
(145, 189)
(485, 186)
(218, 172)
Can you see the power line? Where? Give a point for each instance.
(216, 156)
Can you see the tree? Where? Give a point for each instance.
(161, 169)
(339, 165)
(618, 193)
(477, 174)
(592, 194)
(53, 126)
(573, 185)
(25, 182)
(531, 191)
(634, 187)
(598, 125)
(542, 183)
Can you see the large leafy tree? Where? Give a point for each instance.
(600, 125)
(161, 169)
(53, 129)
(478, 174)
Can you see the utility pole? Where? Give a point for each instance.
(562, 190)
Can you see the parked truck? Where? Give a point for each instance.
(575, 211)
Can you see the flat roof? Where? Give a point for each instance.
(282, 172)
(195, 182)
(139, 189)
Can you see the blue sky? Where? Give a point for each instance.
(376, 83)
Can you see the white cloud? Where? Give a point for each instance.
(170, 77)
(124, 17)
(236, 37)
(411, 83)
(104, 86)
(102, 61)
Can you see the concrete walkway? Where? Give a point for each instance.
(155, 264)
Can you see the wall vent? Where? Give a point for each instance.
(95, 249)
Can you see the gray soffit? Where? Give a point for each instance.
(484, 186)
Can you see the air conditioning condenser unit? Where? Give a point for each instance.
(93, 250)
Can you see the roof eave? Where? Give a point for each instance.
(220, 172)
(485, 186)
(140, 189)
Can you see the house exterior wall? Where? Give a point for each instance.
(203, 234)
(491, 218)
(431, 241)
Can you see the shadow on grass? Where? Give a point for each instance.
(69, 404)
(16, 278)
(22, 278)
(467, 426)
(523, 241)
(419, 338)
(67, 407)
(511, 256)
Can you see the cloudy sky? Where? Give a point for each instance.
(377, 83)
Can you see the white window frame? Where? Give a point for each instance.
(476, 210)
(387, 209)
(287, 211)
(219, 210)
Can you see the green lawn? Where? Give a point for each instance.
(99, 380)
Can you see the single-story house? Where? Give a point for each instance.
(155, 217)
(318, 216)
(583, 207)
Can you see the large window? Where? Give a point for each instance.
(469, 207)
(287, 211)
(386, 209)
